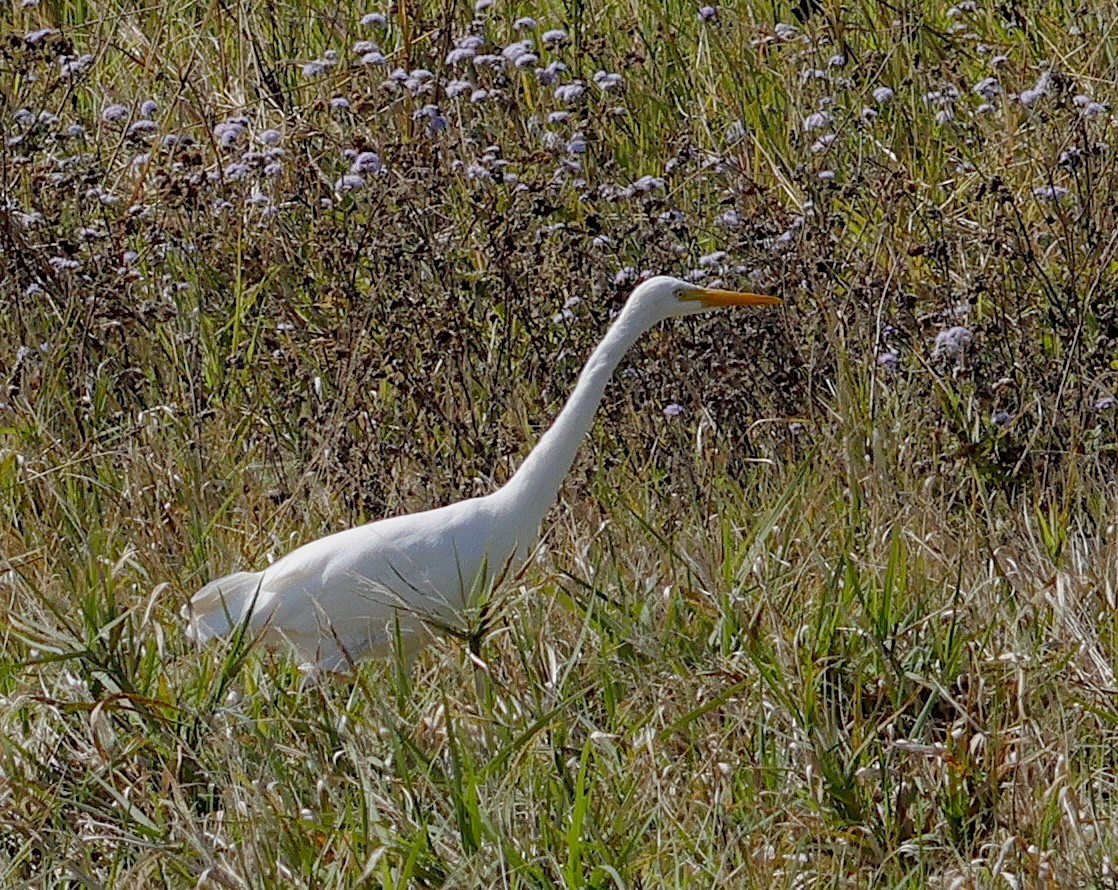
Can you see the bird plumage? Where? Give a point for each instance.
(347, 595)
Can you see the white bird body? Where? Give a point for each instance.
(344, 596)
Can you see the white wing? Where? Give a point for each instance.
(343, 596)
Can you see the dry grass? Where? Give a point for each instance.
(847, 619)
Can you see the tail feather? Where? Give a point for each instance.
(222, 605)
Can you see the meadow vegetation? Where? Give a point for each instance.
(829, 599)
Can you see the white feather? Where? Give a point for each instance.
(344, 596)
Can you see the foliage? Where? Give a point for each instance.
(828, 600)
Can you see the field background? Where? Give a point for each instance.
(829, 598)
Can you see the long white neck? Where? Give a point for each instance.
(535, 485)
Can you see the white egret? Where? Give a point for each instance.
(345, 596)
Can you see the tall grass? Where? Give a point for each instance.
(842, 616)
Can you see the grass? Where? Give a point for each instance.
(846, 620)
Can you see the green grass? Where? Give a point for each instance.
(838, 624)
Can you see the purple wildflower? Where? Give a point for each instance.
(606, 80)
(71, 65)
(1050, 192)
(516, 49)
(550, 74)
(349, 182)
(436, 121)
(456, 88)
(115, 113)
(952, 341)
(1037, 90)
(672, 409)
(729, 219)
(366, 162)
(459, 54)
(1088, 107)
(816, 121)
(490, 60)
(823, 143)
(649, 184)
(143, 129)
(34, 37)
(569, 93)
(988, 88)
(941, 97)
(228, 132)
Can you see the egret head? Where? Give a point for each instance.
(667, 297)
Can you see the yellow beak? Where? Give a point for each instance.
(712, 297)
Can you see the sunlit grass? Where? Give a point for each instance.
(842, 616)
